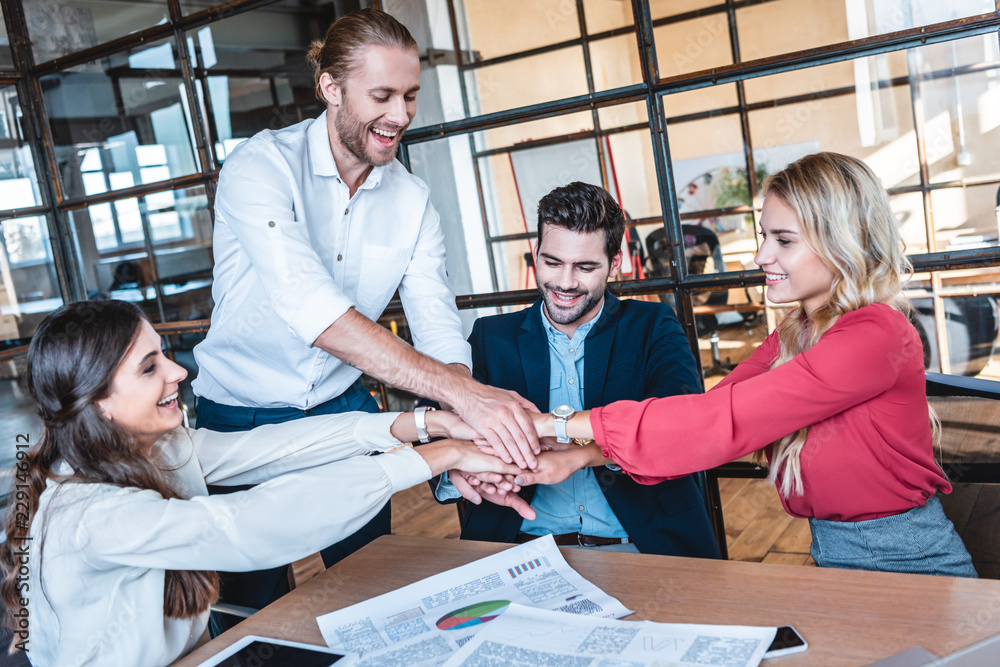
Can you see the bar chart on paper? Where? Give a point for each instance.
(524, 568)
(481, 612)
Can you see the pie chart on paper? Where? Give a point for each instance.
(466, 617)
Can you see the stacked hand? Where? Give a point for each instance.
(553, 463)
(502, 418)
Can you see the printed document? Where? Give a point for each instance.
(527, 637)
(425, 622)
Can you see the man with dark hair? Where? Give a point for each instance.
(579, 347)
(316, 227)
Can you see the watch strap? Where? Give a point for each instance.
(560, 429)
(420, 419)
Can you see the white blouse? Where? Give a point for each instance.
(96, 587)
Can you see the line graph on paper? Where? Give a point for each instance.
(658, 644)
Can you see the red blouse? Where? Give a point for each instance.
(861, 390)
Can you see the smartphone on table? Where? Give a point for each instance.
(787, 641)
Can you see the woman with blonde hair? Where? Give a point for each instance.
(112, 546)
(835, 398)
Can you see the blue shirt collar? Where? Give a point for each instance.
(581, 331)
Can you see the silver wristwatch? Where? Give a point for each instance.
(561, 415)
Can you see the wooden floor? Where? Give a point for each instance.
(757, 527)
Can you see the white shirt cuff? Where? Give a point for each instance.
(404, 467)
(374, 430)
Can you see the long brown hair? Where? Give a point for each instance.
(72, 361)
(337, 54)
(847, 221)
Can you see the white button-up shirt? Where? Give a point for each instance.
(294, 251)
(95, 593)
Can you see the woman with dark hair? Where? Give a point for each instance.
(124, 539)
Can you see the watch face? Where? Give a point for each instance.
(563, 411)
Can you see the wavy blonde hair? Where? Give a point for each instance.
(846, 220)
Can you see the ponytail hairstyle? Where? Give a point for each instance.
(72, 361)
(339, 52)
(846, 220)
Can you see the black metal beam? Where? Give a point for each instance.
(548, 48)
(633, 93)
(956, 259)
(560, 139)
(939, 384)
(189, 181)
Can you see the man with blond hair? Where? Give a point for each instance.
(316, 227)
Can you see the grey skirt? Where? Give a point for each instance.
(919, 541)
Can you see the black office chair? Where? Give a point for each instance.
(703, 255)
(127, 275)
(970, 456)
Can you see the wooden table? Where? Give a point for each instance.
(848, 617)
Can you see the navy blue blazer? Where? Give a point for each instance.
(636, 350)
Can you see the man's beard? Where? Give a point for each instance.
(562, 315)
(353, 134)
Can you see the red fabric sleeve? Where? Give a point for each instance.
(758, 362)
(656, 439)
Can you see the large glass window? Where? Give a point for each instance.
(18, 180)
(960, 98)
(693, 45)
(111, 238)
(920, 117)
(965, 218)
(516, 54)
(122, 132)
(729, 325)
(133, 109)
(501, 27)
(6, 59)
(962, 304)
(660, 9)
(866, 108)
(601, 15)
(59, 27)
(251, 69)
(516, 165)
(29, 287)
(764, 26)
(711, 176)
(553, 75)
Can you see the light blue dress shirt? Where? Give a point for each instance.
(577, 504)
